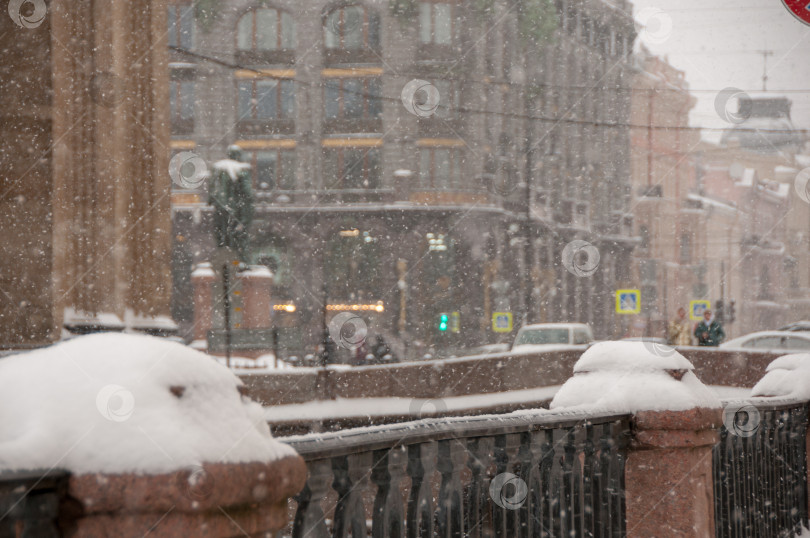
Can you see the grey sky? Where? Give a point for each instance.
(715, 43)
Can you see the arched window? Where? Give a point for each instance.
(351, 28)
(265, 29)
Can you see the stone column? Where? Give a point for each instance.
(213, 499)
(668, 473)
(111, 212)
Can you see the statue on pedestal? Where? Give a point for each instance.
(230, 192)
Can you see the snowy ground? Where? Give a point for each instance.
(377, 407)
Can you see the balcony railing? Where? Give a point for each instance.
(265, 57)
(364, 55)
(511, 476)
(251, 127)
(353, 125)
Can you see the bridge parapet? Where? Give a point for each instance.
(696, 472)
(439, 380)
(525, 474)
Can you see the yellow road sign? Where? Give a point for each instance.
(697, 308)
(502, 322)
(628, 301)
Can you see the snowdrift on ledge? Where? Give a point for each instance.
(116, 403)
(787, 376)
(631, 376)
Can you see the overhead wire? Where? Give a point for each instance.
(511, 115)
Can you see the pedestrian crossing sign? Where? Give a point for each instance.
(697, 308)
(502, 322)
(628, 301)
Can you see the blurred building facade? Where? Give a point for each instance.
(716, 222)
(755, 166)
(371, 195)
(670, 256)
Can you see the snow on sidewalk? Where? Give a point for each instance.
(117, 403)
(341, 408)
(377, 407)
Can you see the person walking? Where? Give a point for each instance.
(679, 333)
(709, 332)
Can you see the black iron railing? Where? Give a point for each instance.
(760, 470)
(527, 474)
(30, 502)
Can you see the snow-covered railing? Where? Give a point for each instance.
(634, 444)
(760, 469)
(524, 474)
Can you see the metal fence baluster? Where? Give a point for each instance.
(450, 510)
(476, 519)
(421, 465)
(351, 475)
(388, 519)
(309, 517)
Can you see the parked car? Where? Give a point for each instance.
(788, 341)
(651, 339)
(796, 326)
(487, 349)
(553, 335)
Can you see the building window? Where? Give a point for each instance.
(351, 168)
(440, 168)
(352, 266)
(448, 99)
(265, 29)
(181, 25)
(764, 284)
(352, 27)
(644, 232)
(266, 99)
(273, 169)
(436, 23)
(686, 249)
(181, 103)
(352, 98)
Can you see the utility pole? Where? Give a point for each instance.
(765, 53)
(329, 350)
(528, 251)
(649, 136)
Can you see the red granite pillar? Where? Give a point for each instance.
(256, 284)
(202, 278)
(668, 474)
(213, 500)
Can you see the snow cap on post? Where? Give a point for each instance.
(787, 376)
(628, 377)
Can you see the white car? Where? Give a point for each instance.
(544, 335)
(778, 341)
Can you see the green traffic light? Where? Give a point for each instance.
(443, 318)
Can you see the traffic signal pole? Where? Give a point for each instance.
(226, 305)
(528, 252)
